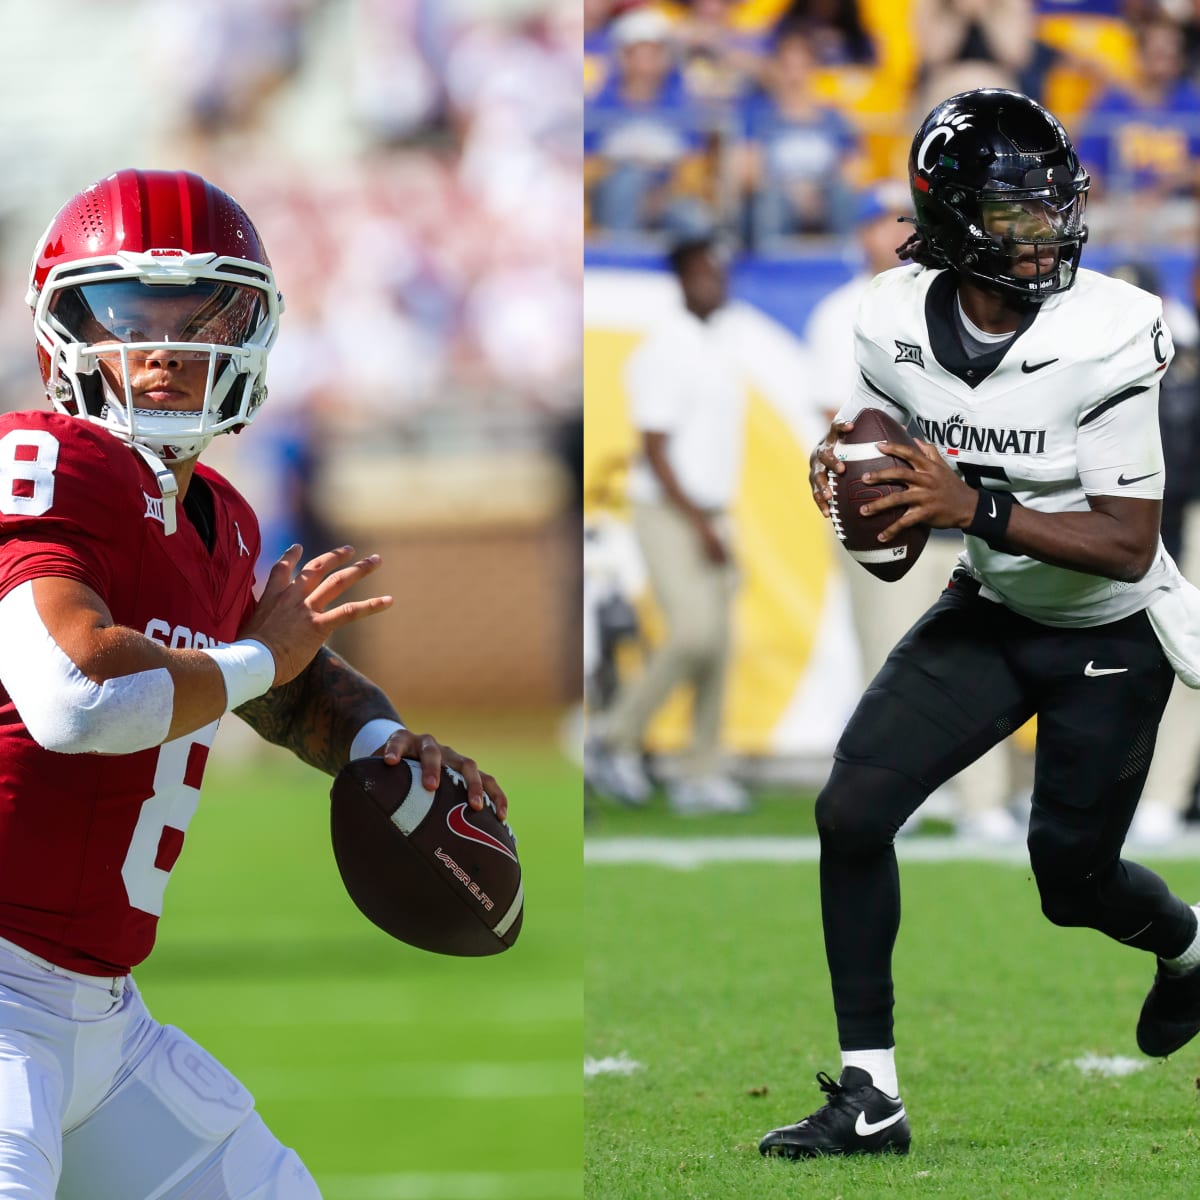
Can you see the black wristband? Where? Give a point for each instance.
(990, 522)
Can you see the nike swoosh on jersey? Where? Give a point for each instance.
(865, 1128)
(1136, 479)
(1092, 670)
(1029, 368)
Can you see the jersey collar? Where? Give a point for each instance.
(944, 339)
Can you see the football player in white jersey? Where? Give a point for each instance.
(1035, 385)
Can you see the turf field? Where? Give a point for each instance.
(713, 981)
(398, 1075)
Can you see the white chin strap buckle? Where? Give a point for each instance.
(168, 486)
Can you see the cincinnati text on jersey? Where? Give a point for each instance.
(956, 434)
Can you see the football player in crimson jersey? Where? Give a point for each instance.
(1035, 387)
(128, 628)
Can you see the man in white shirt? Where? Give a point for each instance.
(688, 403)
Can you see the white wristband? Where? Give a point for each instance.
(248, 669)
(373, 735)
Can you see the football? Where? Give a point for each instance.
(424, 866)
(859, 534)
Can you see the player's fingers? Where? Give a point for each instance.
(468, 768)
(332, 586)
(929, 451)
(317, 568)
(818, 474)
(397, 747)
(898, 526)
(830, 461)
(908, 453)
(346, 614)
(280, 574)
(495, 793)
(431, 761)
(899, 499)
(905, 475)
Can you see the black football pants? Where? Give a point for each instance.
(964, 677)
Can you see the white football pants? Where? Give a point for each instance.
(98, 1101)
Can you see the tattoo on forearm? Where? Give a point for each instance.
(318, 713)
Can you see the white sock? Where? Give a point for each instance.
(879, 1064)
(1190, 957)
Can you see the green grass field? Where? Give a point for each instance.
(397, 1074)
(714, 980)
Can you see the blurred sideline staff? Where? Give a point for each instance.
(688, 404)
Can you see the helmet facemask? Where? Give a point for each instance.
(194, 330)
(1032, 239)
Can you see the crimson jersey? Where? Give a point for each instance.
(87, 841)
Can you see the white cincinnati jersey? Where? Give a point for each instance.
(1065, 410)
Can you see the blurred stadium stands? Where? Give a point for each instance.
(764, 117)
(414, 167)
(771, 121)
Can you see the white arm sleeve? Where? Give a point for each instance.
(373, 735)
(61, 707)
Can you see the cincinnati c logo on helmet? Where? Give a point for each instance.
(955, 123)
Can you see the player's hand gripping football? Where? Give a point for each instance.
(293, 618)
(404, 743)
(935, 495)
(822, 461)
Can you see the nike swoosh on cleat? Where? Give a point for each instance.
(1029, 368)
(1093, 671)
(865, 1128)
(1136, 479)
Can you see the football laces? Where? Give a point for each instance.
(834, 512)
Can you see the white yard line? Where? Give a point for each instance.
(1109, 1067)
(456, 1080)
(688, 853)
(455, 1185)
(619, 1064)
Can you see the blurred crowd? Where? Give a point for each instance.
(413, 165)
(766, 117)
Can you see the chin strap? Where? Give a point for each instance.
(168, 485)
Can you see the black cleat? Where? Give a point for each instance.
(1171, 1014)
(857, 1119)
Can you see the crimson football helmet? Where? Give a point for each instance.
(996, 181)
(162, 264)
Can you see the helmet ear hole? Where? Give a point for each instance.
(91, 388)
(232, 403)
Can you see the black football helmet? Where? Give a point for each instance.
(999, 193)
